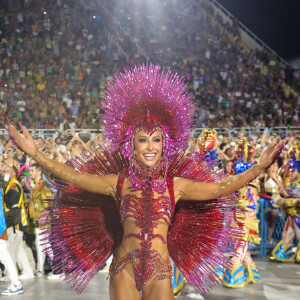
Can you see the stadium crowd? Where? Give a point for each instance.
(56, 57)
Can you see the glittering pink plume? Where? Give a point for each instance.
(84, 228)
(278, 152)
(145, 98)
(24, 168)
(203, 234)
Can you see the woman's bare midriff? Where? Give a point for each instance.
(131, 243)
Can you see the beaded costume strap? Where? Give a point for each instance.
(170, 184)
(120, 183)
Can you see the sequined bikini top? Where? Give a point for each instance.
(146, 210)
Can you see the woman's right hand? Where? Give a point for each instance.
(24, 141)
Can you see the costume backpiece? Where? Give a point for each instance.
(86, 228)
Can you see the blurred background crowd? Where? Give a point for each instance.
(56, 57)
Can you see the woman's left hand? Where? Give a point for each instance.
(267, 157)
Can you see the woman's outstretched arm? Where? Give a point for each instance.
(92, 183)
(188, 190)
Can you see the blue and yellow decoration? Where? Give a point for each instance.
(207, 143)
(253, 275)
(178, 282)
(236, 276)
(283, 252)
(243, 156)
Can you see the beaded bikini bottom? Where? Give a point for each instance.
(143, 272)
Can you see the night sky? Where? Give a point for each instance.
(276, 22)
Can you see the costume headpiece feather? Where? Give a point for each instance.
(243, 156)
(25, 171)
(143, 98)
(207, 143)
(294, 157)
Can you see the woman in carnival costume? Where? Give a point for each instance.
(283, 251)
(243, 269)
(122, 199)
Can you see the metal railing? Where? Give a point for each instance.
(227, 132)
(265, 247)
(249, 131)
(45, 133)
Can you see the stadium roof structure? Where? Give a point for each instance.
(275, 22)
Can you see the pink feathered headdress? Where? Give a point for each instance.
(145, 99)
(25, 171)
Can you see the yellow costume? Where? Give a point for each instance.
(14, 182)
(283, 251)
(40, 193)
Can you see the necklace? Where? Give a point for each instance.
(143, 177)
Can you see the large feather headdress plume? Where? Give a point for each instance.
(294, 156)
(143, 98)
(243, 156)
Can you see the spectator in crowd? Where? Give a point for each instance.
(20, 157)
(54, 76)
(13, 203)
(15, 287)
(39, 193)
(273, 186)
(10, 160)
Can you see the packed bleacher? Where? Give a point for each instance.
(56, 57)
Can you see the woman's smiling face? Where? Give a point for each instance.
(148, 148)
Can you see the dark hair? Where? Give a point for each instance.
(37, 166)
(15, 170)
(280, 162)
(222, 145)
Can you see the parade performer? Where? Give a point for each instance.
(148, 118)
(16, 220)
(283, 250)
(40, 192)
(15, 287)
(243, 269)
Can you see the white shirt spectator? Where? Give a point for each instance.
(21, 104)
(67, 100)
(223, 74)
(20, 17)
(238, 94)
(207, 54)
